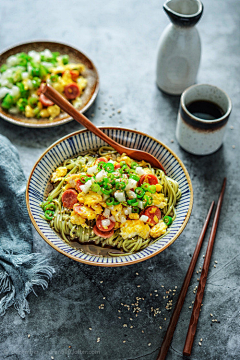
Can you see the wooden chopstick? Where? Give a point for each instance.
(178, 307)
(200, 292)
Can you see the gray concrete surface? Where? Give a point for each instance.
(121, 37)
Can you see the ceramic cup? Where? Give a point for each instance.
(197, 135)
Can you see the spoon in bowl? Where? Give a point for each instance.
(66, 106)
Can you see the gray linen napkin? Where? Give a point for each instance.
(20, 269)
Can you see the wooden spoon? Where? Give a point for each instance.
(66, 106)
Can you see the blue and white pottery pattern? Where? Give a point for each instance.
(70, 146)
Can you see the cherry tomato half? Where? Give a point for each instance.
(148, 178)
(71, 91)
(100, 159)
(151, 212)
(45, 101)
(104, 228)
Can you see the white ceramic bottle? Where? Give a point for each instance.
(179, 48)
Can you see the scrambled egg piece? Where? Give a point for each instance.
(71, 181)
(89, 199)
(134, 216)
(117, 225)
(125, 158)
(132, 228)
(58, 86)
(53, 111)
(158, 187)
(66, 77)
(88, 213)
(97, 208)
(29, 111)
(44, 113)
(82, 83)
(92, 202)
(158, 229)
(77, 219)
(158, 199)
(117, 212)
(59, 174)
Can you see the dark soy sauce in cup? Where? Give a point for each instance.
(205, 110)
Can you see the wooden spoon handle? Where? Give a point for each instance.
(65, 105)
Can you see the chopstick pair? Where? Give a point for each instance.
(200, 292)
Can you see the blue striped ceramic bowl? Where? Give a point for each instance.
(70, 146)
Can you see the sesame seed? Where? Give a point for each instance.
(90, 328)
(215, 261)
(119, 317)
(124, 325)
(92, 115)
(211, 315)
(119, 111)
(120, 121)
(233, 146)
(105, 103)
(156, 295)
(98, 339)
(213, 320)
(113, 108)
(150, 294)
(149, 344)
(131, 327)
(214, 265)
(104, 298)
(143, 331)
(124, 341)
(199, 343)
(165, 319)
(110, 116)
(99, 108)
(160, 327)
(29, 336)
(137, 273)
(201, 339)
(106, 109)
(175, 287)
(69, 347)
(138, 286)
(172, 141)
(197, 272)
(190, 307)
(197, 279)
(113, 114)
(102, 122)
(52, 357)
(103, 112)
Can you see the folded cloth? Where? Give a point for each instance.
(20, 269)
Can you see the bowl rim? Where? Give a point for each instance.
(68, 118)
(111, 264)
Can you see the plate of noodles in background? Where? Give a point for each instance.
(25, 68)
(101, 208)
